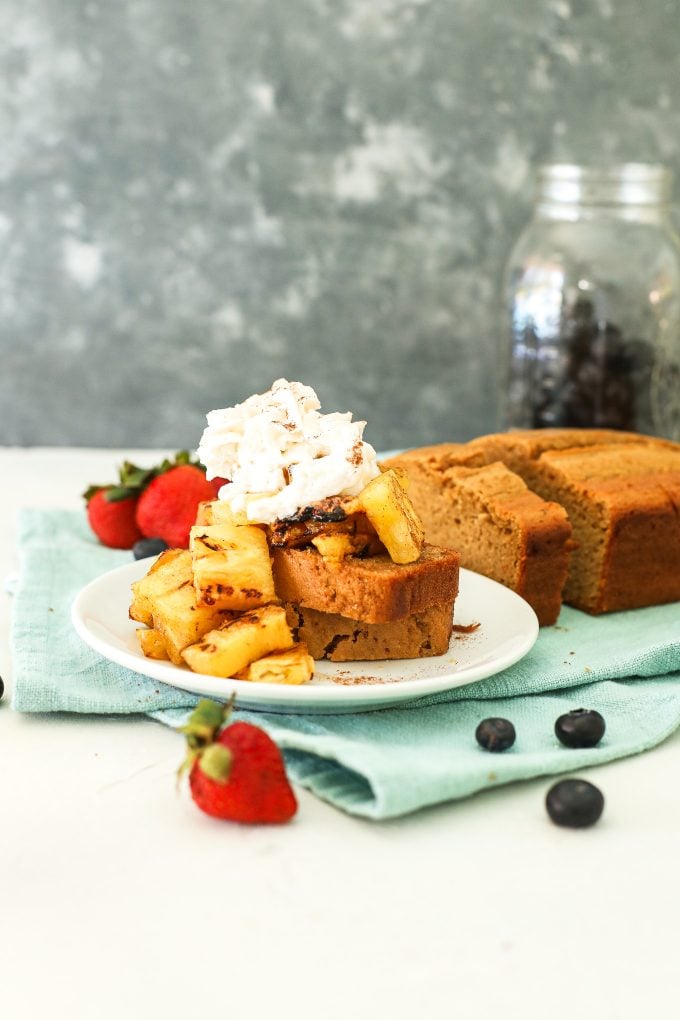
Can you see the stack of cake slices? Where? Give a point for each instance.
(370, 608)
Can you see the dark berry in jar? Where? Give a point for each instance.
(148, 547)
(574, 803)
(2, 687)
(495, 734)
(582, 727)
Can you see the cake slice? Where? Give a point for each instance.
(340, 639)
(370, 590)
(500, 528)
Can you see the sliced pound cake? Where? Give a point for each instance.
(622, 494)
(500, 528)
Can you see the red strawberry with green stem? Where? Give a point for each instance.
(236, 770)
(157, 502)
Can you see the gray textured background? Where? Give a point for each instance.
(198, 198)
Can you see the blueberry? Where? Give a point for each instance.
(574, 803)
(148, 547)
(495, 734)
(2, 687)
(582, 727)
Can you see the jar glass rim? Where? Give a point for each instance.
(605, 183)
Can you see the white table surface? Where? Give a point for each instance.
(119, 899)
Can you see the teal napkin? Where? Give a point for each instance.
(377, 764)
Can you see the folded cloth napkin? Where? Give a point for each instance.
(378, 764)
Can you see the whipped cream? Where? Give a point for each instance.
(279, 453)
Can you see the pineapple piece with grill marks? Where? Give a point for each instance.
(296, 666)
(182, 622)
(170, 570)
(165, 600)
(231, 566)
(151, 643)
(231, 648)
(391, 512)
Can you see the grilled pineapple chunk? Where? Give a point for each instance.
(335, 547)
(218, 512)
(231, 566)
(226, 651)
(170, 570)
(296, 666)
(152, 644)
(393, 516)
(182, 622)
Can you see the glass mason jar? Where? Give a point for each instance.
(593, 301)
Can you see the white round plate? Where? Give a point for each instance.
(507, 630)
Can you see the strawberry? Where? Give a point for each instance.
(168, 505)
(112, 516)
(158, 502)
(236, 771)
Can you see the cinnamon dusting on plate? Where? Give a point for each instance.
(347, 680)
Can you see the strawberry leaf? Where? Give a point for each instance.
(133, 480)
(92, 491)
(117, 493)
(204, 723)
(134, 477)
(181, 458)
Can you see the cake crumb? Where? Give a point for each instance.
(465, 628)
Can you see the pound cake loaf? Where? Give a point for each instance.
(623, 502)
(622, 494)
(509, 502)
(500, 528)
